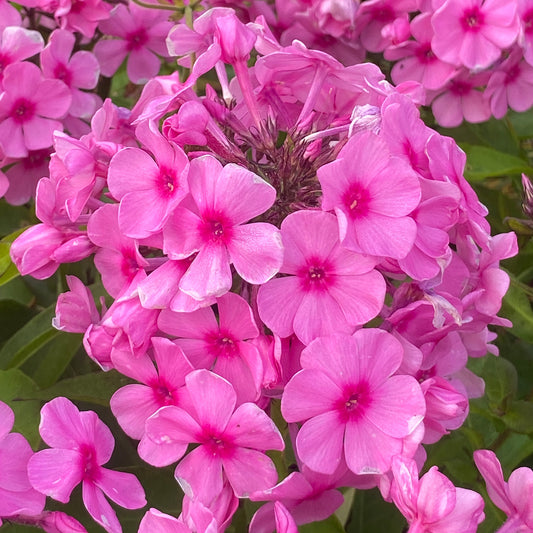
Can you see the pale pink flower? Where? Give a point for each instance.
(29, 109)
(231, 441)
(352, 405)
(80, 445)
(329, 289)
(473, 33)
(141, 34)
(213, 224)
(432, 504)
(372, 194)
(512, 497)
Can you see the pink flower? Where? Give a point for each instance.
(224, 347)
(512, 497)
(80, 445)
(231, 441)
(372, 194)
(473, 33)
(432, 504)
(155, 521)
(212, 224)
(29, 107)
(141, 35)
(81, 71)
(148, 201)
(16, 494)
(351, 404)
(81, 16)
(329, 289)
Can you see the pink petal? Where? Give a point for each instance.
(436, 496)
(15, 453)
(251, 427)
(7, 419)
(319, 442)
(56, 472)
(159, 454)
(213, 398)
(54, 99)
(38, 132)
(199, 324)
(99, 508)
(110, 54)
(142, 65)
(256, 251)
(200, 475)
(489, 467)
(122, 488)
(249, 471)
(155, 521)
(172, 364)
(236, 316)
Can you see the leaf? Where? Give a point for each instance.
(484, 162)
(519, 416)
(517, 308)
(96, 388)
(14, 385)
(330, 525)
(501, 381)
(13, 316)
(514, 450)
(522, 123)
(28, 339)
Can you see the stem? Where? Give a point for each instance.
(156, 6)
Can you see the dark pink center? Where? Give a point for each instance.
(354, 402)
(215, 229)
(163, 393)
(217, 445)
(425, 54)
(137, 39)
(22, 110)
(527, 20)
(90, 466)
(5, 60)
(473, 19)
(168, 182)
(317, 275)
(61, 72)
(460, 88)
(224, 345)
(356, 201)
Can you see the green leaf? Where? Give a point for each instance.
(501, 381)
(519, 416)
(28, 339)
(13, 316)
(514, 450)
(15, 385)
(484, 162)
(96, 388)
(517, 308)
(522, 123)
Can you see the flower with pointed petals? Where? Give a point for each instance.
(329, 289)
(213, 224)
(351, 404)
(372, 193)
(80, 444)
(231, 441)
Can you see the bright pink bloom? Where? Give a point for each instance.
(155, 521)
(432, 504)
(473, 33)
(372, 194)
(80, 445)
(29, 107)
(351, 404)
(330, 289)
(525, 40)
(157, 187)
(231, 441)
(81, 16)
(213, 224)
(141, 35)
(16, 494)
(512, 497)
(81, 71)
(222, 346)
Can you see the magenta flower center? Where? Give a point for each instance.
(22, 110)
(472, 19)
(353, 403)
(425, 53)
(356, 201)
(163, 394)
(217, 445)
(4, 61)
(316, 275)
(215, 229)
(168, 182)
(90, 466)
(460, 88)
(137, 39)
(61, 72)
(224, 345)
(527, 20)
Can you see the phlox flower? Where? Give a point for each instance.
(525, 40)
(432, 504)
(140, 35)
(17, 496)
(222, 346)
(329, 289)
(231, 441)
(351, 404)
(372, 194)
(512, 497)
(29, 108)
(81, 16)
(222, 199)
(80, 445)
(473, 33)
(78, 71)
(147, 201)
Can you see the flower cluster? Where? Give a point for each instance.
(301, 239)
